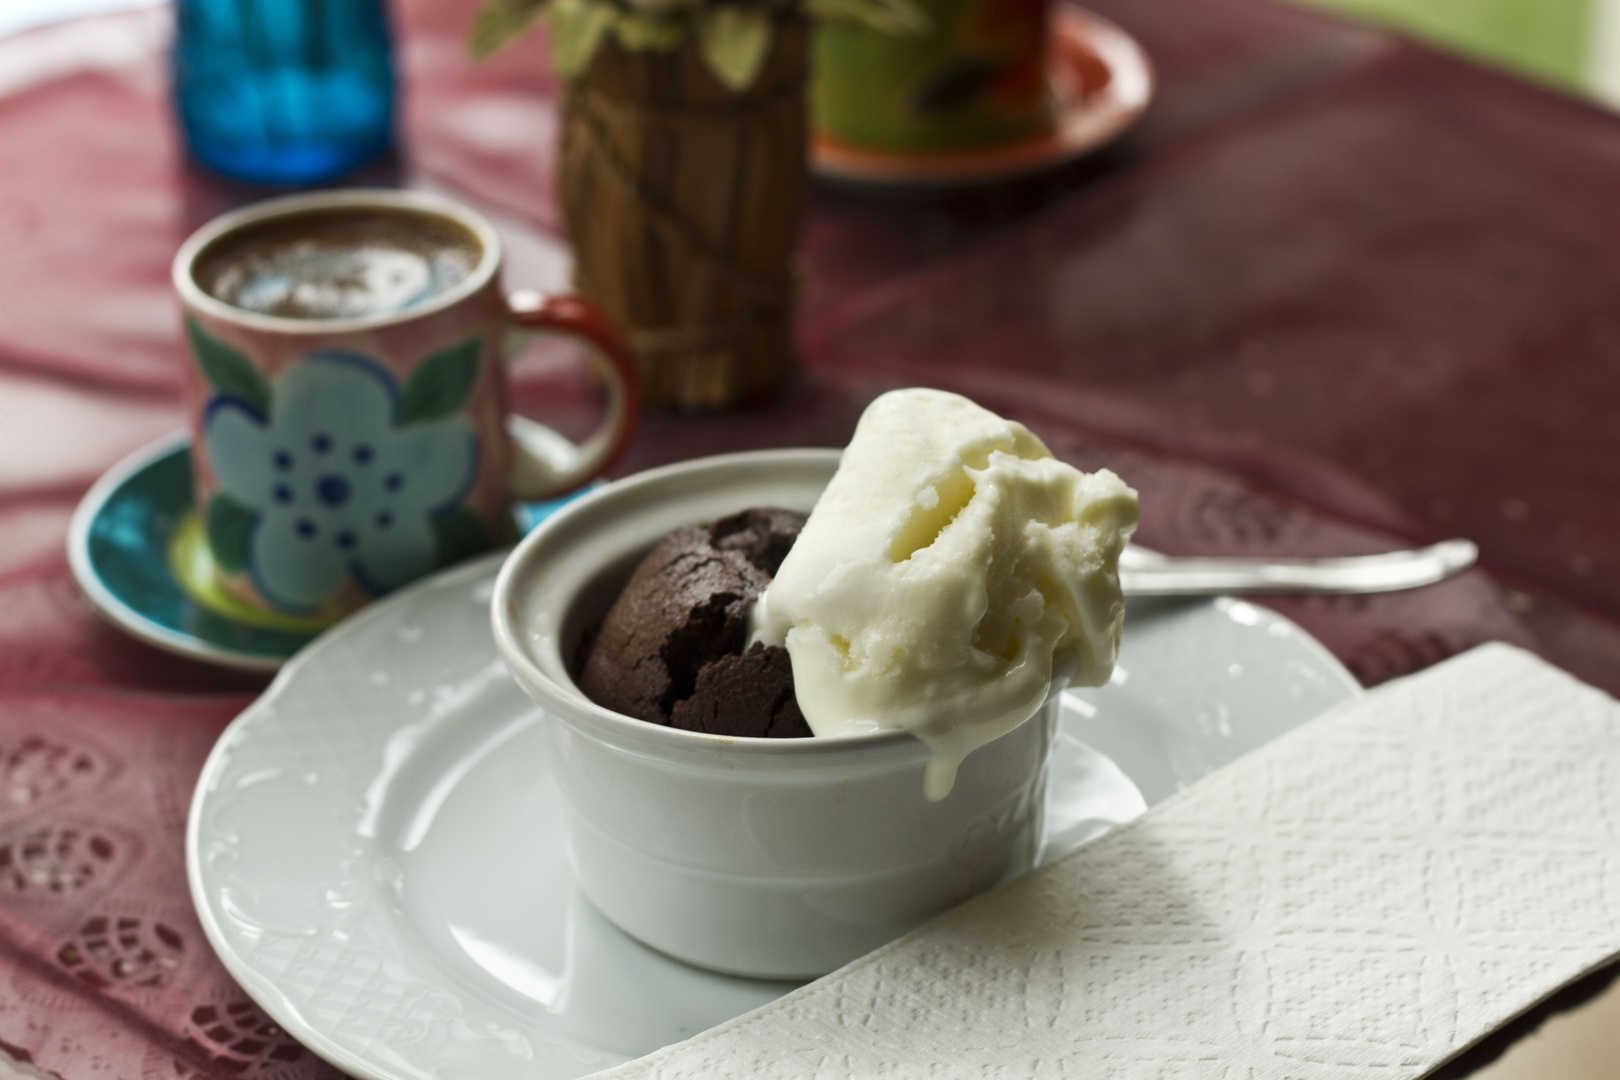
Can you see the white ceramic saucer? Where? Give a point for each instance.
(375, 852)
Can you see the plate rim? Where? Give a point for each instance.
(258, 987)
(264, 991)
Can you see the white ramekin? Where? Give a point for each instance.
(779, 858)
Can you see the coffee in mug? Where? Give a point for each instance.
(339, 264)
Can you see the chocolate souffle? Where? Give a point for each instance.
(673, 648)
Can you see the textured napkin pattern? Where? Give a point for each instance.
(1361, 899)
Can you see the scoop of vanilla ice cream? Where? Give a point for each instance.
(949, 568)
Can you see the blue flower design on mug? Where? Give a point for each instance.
(336, 474)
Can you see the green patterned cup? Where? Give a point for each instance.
(975, 79)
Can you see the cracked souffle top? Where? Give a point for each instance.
(673, 649)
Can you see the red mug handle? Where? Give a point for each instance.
(545, 464)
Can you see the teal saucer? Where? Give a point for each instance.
(121, 547)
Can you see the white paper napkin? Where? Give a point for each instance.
(1362, 898)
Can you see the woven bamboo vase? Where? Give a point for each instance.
(684, 201)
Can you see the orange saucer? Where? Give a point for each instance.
(1101, 82)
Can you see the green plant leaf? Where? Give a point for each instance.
(229, 526)
(499, 23)
(901, 18)
(734, 41)
(577, 28)
(648, 33)
(228, 371)
(441, 384)
(460, 534)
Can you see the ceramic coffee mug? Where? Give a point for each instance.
(350, 433)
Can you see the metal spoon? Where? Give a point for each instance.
(1147, 573)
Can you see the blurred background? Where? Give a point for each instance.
(1571, 44)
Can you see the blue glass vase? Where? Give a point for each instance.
(284, 91)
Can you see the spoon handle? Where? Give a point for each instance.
(1144, 573)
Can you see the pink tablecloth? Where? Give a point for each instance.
(1335, 295)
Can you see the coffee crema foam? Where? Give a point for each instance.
(339, 264)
